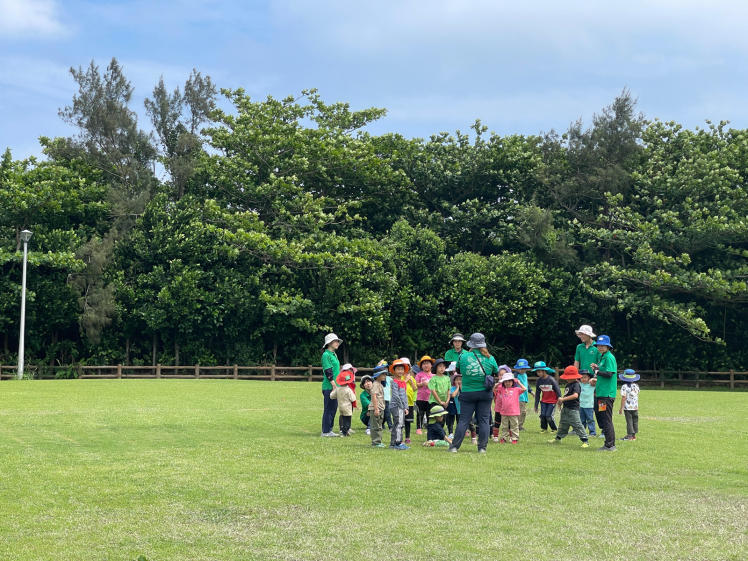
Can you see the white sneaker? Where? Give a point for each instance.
(475, 440)
(351, 431)
(368, 431)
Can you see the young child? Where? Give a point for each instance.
(453, 408)
(605, 391)
(423, 393)
(435, 435)
(503, 369)
(398, 404)
(346, 397)
(387, 397)
(570, 407)
(365, 397)
(587, 402)
(521, 369)
(509, 392)
(547, 393)
(376, 407)
(439, 387)
(411, 387)
(630, 402)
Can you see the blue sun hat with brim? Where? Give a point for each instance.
(540, 365)
(629, 375)
(603, 340)
(522, 363)
(379, 369)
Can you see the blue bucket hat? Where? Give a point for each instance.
(603, 340)
(379, 369)
(628, 376)
(522, 363)
(540, 365)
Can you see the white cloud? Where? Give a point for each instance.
(20, 18)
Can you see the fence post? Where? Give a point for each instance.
(662, 379)
(236, 371)
(732, 379)
(272, 373)
(119, 371)
(310, 373)
(158, 370)
(697, 380)
(197, 371)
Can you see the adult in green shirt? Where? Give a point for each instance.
(330, 371)
(453, 354)
(475, 398)
(586, 353)
(605, 391)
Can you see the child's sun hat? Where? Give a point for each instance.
(506, 376)
(570, 373)
(629, 375)
(437, 362)
(603, 340)
(585, 372)
(345, 377)
(426, 358)
(348, 366)
(437, 411)
(505, 368)
(586, 330)
(453, 377)
(522, 363)
(379, 369)
(540, 365)
(399, 362)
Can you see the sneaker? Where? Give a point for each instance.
(543, 430)
(419, 431)
(481, 450)
(515, 441)
(380, 445)
(452, 450)
(475, 440)
(606, 449)
(495, 438)
(351, 431)
(332, 433)
(552, 440)
(401, 446)
(407, 441)
(368, 431)
(585, 445)
(502, 441)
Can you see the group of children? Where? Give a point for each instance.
(394, 395)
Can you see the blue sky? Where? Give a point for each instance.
(521, 67)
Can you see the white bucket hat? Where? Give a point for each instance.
(506, 376)
(586, 330)
(329, 338)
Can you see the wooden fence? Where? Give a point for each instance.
(677, 378)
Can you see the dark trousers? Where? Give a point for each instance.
(423, 413)
(451, 422)
(409, 420)
(365, 421)
(546, 416)
(632, 421)
(328, 414)
(387, 415)
(478, 403)
(604, 416)
(497, 420)
(345, 424)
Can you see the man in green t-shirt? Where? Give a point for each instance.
(330, 371)
(586, 353)
(605, 391)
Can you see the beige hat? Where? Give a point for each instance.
(329, 338)
(586, 330)
(506, 376)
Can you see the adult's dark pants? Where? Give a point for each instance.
(328, 414)
(604, 416)
(478, 403)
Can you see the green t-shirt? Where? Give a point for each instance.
(440, 384)
(606, 387)
(329, 360)
(586, 356)
(452, 355)
(473, 377)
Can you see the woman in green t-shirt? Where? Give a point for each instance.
(330, 371)
(453, 354)
(474, 366)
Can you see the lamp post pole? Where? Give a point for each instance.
(25, 237)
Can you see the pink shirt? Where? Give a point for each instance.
(507, 400)
(423, 393)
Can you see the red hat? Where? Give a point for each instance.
(346, 377)
(570, 373)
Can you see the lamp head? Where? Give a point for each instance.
(26, 235)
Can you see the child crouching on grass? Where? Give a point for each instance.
(630, 402)
(435, 435)
(376, 407)
(508, 396)
(570, 407)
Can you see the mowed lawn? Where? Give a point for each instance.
(223, 469)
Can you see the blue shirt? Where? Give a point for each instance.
(587, 396)
(522, 378)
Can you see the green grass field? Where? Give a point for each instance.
(223, 469)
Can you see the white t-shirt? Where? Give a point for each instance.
(631, 393)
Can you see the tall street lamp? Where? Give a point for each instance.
(25, 237)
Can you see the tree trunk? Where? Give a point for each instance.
(155, 349)
(127, 351)
(176, 353)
